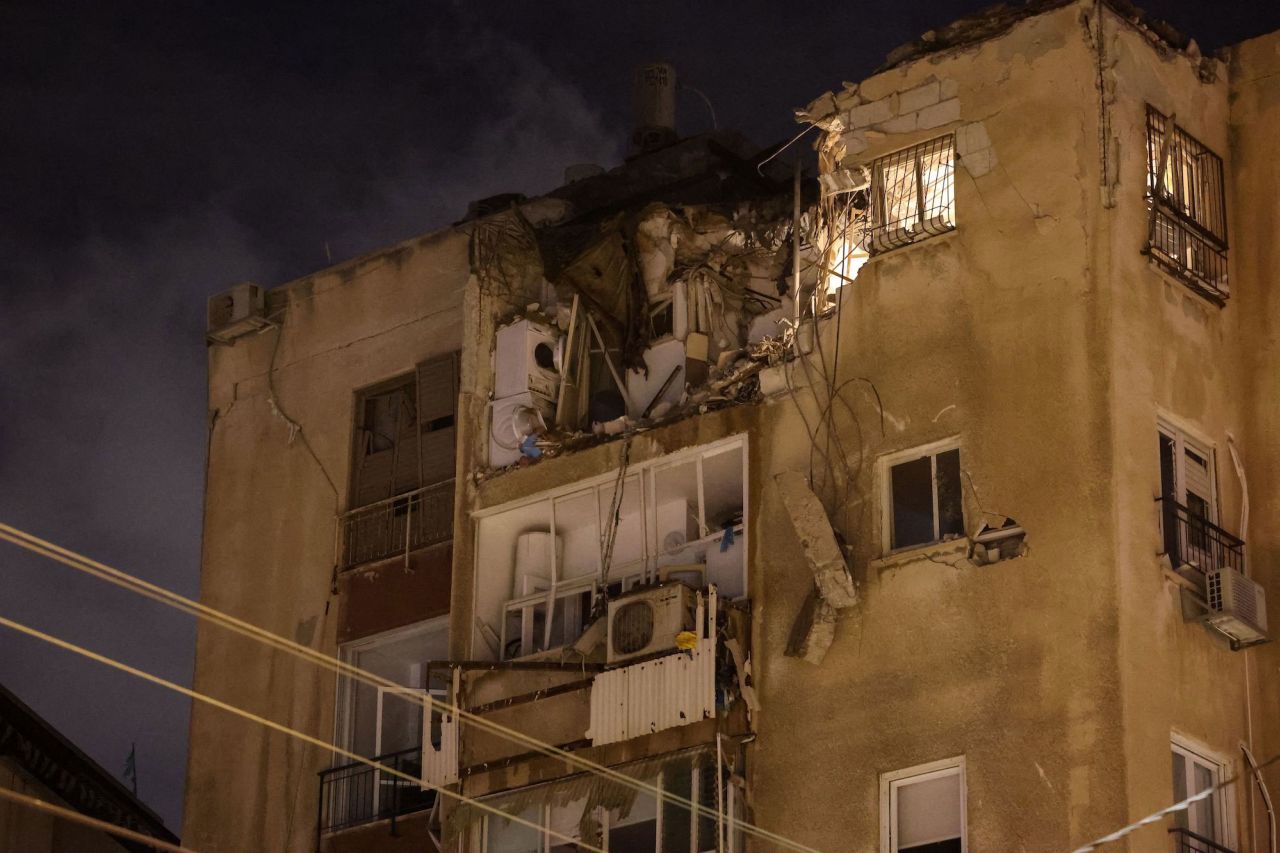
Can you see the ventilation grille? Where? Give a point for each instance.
(632, 627)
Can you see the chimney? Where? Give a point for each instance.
(655, 107)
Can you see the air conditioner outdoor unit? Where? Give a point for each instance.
(647, 622)
(236, 312)
(1237, 606)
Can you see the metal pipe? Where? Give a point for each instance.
(1266, 797)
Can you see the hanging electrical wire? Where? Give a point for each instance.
(134, 584)
(206, 699)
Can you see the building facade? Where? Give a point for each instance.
(692, 506)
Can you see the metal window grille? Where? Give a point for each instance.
(1186, 841)
(912, 195)
(356, 793)
(1192, 541)
(1186, 189)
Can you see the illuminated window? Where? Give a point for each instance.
(912, 195)
(1185, 188)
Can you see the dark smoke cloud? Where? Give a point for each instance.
(153, 153)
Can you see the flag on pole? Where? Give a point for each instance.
(131, 767)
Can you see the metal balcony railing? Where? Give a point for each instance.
(398, 525)
(1186, 841)
(1193, 541)
(355, 794)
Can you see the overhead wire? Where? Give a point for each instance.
(28, 801)
(157, 593)
(1179, 806)
(196, 695)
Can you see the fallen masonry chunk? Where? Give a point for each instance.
(813, 631)
(809, 520)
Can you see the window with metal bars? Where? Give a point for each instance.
(912, 195)
(1187, 233)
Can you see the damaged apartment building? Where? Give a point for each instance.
(922, 501)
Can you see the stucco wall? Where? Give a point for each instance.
(993, 334)
(270, 524)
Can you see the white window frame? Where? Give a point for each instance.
(348, 653)
(634, 571)
(891, 782)
(887, 463)
(1222, 768)
(1186, 435)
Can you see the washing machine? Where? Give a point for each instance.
(514, 419)
(526, 357)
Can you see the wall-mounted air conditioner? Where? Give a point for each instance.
(1237, 606)
(647, 622)
(236, 312)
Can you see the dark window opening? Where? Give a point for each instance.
(927, 500)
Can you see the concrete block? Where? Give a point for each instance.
(848, 99)
(817, 539)
(919, 97)
(855, 142)
(900, 124)
(971, 137)
(872, 113)
(940, 114)
(949, 89)
(979, 163)
(974, 150)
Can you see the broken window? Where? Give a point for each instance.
(384, 723)
(681, 516)
(925, 499)
(374, 720)
(403, 459)
(1194, 773)
(664, 825)
(1186, 191)
(923, 808)
(912, 195)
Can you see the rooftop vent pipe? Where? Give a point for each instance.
(655, 106)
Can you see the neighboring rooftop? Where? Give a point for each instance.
(44, 753)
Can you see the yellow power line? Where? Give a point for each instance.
(272, 724)
(124, 580)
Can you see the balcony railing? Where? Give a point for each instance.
(398, 525)
(355, 794)
(1186, 841)
(1193, 541)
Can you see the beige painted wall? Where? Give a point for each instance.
(1037, 333)
(270, 523)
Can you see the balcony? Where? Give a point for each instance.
(1186, 841)
(356, 794)
(1194, 543)
(396, 526)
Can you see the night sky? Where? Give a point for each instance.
(154, 153)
